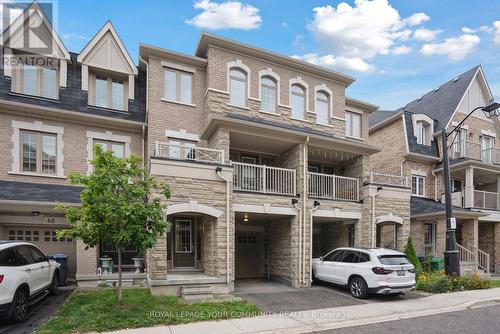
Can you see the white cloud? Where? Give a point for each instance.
(401, 50)
(77, 37)
(423, 34)
(496, 35)
(359, 32)
(225, 15)
(467, 30)
(416, 19)
(454, 48)
(347, 63)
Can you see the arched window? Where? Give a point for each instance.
(238, 87)
(268, 94)
(298, 101)
(322, 107)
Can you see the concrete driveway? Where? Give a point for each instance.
(273, 296)
(38, 314)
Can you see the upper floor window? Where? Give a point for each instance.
(268, 94)
(298, 102)
(238, 87)
(418, 185)
(39, 81)
(353, 124)
(109, 93)
(423, 133)
(38, 153)
(183, 150)
(487, 148)
(118, 149)
(459, 143)
(322, 108)
(178, 86)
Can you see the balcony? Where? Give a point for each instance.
(333, 187)
(388, 179)
(486, 200)
(476, 151)
(264, 179)
(188, 152)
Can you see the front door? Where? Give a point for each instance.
(184, 243)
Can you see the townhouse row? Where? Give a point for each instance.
(270, 163)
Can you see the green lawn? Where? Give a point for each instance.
(99, 311)
(495, 283)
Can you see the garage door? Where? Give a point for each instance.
(249, 255)
(45, 238)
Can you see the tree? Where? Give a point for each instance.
(117, 206)
(412, 256)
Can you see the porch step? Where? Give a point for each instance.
(197, 293)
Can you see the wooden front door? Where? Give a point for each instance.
(184, 243)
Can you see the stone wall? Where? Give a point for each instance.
(281, 260)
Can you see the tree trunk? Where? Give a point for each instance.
(120, 292)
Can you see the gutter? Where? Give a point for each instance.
(144, 154)
(315, 207)
(218, 170)
(304, 218)
(299, 210)
(435, 185)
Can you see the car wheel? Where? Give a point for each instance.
(19, 307)
(358, 288)
(54, 286)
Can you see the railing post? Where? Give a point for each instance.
(157, 147)
(264, 176)
(371, 177)
(295, 182)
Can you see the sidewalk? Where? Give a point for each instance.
(323, 319)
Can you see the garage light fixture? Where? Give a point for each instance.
(245, 218)
(35, 213)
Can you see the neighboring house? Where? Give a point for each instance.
(50, 118)
(268, 163)
(410, 143)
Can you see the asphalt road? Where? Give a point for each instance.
(483, 320)
(38, 314)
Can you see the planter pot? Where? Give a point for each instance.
(105, 264)
(138, 264)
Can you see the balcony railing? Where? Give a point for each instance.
(189, 152)
(388, 179)
(474, 150)
(264, 179)
(486, 200)
(333, 187)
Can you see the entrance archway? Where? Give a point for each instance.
(387, 231)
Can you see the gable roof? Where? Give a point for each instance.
(425, 207)
(19, 24)
(108, 27)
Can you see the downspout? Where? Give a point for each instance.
(374, 231)
(304, 211)
(295, 202)
(144, 154)
(435, 186)
(218, 170)
(315, 207)
(402, 170)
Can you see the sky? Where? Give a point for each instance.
(396, 49)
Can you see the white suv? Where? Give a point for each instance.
(364, 271)
(26, 276)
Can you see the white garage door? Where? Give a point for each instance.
(44, 238)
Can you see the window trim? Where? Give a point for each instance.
(246, 82)
(37, 126)
(178, 74)
(17, 85)
(304, 111)
(416, 194)
(92, 90)
(321, 90)
(238, 64)
(270, 73)
(39, 151)
(275, 88)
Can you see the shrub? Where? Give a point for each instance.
(412, 256)
(438, 282)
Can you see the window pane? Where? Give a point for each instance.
(29, 151)
(49, 83)
(118, 150)
(421, 186)
(348, 122)
(322, 109)
(174, 149)
(23, 256)
(268, 95)
(186, 86)
(101, 91)
(414, 185)
(49, 154)
(170, 85)
(117, 88)
(238, 94)
(298, 102)
(238, 74)
(30, 82)
(183, 236)
(356, 126)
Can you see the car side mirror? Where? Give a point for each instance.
(50, 258)
(322, 258)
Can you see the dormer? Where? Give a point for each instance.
(108, 72)
(34, 55)
(423, 128)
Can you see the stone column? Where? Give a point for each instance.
(86, 259)
(470, 233)
(156, 258)
(498, 192)
(497, 247)
(469, 187)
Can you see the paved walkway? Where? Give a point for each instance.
(338, 317)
